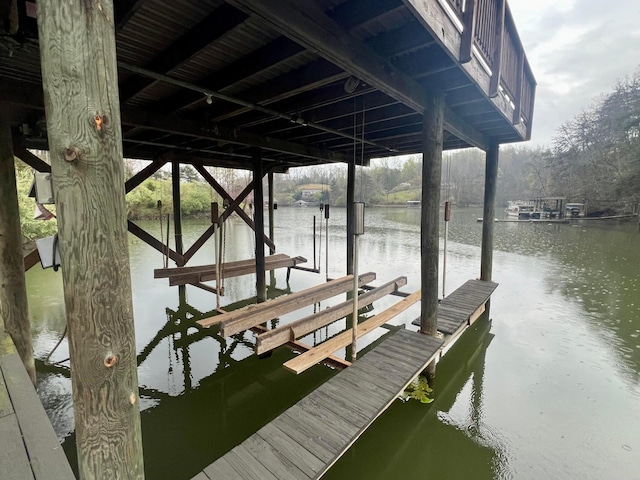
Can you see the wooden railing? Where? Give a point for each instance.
(489, 27)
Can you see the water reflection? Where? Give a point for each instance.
(552, 389)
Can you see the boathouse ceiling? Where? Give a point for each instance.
(306, 81)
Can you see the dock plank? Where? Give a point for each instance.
(314, 433)
(14, 462)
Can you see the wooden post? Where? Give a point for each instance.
(433, 136)
(351, 196)
(14, 309)
(85, 141)
(272, 250)
(490, 180)
(177, 223)
(433, 124)
(177, 210)
(258, 209)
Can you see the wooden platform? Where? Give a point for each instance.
(206, 273)
(307, 439)
(459, 307)
(29, 448)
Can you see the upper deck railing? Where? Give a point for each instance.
(488, 30)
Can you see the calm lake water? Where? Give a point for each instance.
(548, 386)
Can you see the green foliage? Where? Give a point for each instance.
(418, 390)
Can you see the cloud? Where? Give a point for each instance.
(577, 51)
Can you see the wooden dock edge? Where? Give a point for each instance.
(28, 444)
(430, 359)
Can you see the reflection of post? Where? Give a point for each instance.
(14, 311)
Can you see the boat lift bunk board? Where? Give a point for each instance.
(205, 273)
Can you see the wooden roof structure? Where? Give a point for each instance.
(306, 81)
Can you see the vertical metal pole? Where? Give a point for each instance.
(315, 267)
(354, 328)
(258, 202)
(14, 308)
(326, 247)
(490, 180)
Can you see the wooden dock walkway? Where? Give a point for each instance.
(308, 438)
(463, 304)
(29, 448)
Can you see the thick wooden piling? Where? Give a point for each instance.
(351, 196)
(433, 124)
(258, 209)
(490, 180)
(433, 134)
(272, 250)
(14, 310)
(85, 141)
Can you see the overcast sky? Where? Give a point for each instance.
(577, 50)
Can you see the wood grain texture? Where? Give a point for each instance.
(433, 124)
(308, 438)
(490, 185)
(306, 360)
(80, 82)
(299, 328)
(14, 309)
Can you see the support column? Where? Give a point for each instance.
(272, 250)
(490, 181)
(85, 140)
(433, 125)
(14, 309)
(177, 223)
(258, 209)
(177, 210)
(351, 197)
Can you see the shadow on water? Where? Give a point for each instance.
(184, 433)
(424, 441)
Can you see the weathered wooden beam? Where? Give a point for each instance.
(245, 318)
(268, 56)
(234, 202)
(181, 126)
(124, 10)
(211, 28)
(173, 271)
(258, 215)
(143, 174)
(85, 140)
(430, 217)
(299, 328)
(517, 101)
(30, 159)
(308, 359)
(14, 308)
(31, 257)
(309, 26)
(153, 242)
(193, 249)
(490, 181)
